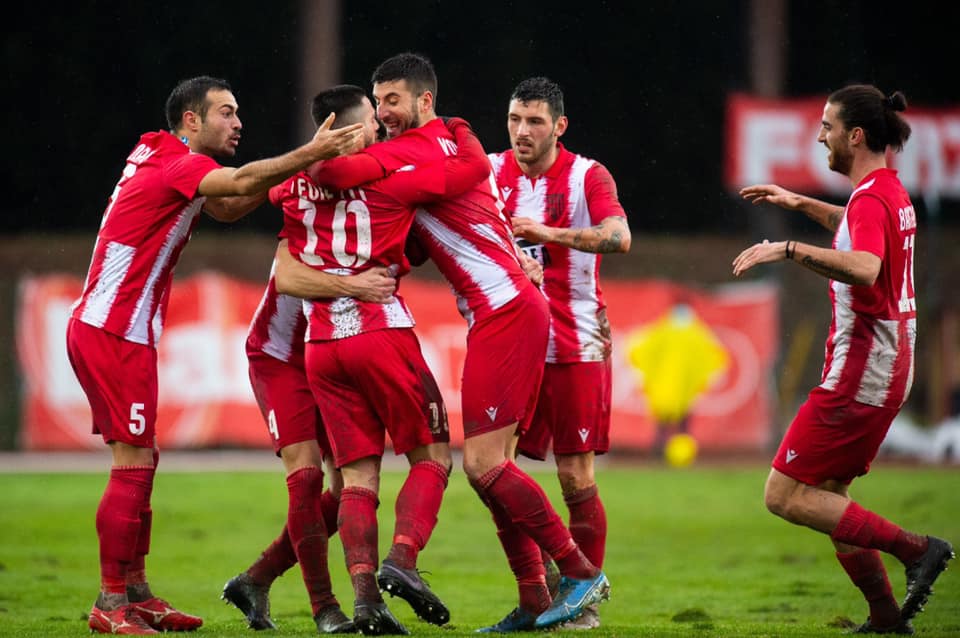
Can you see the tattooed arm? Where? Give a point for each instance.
(612, 235)
(856, 267)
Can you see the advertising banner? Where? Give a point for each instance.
(696, 357)
(775, 141)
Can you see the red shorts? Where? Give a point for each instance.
(373, 383)
(573, 409)
(119, 378)
(285, 400)
(833, 437)
(503, 367)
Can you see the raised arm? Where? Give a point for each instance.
(230, 209)
(293, 278)
(260, 175)
(856, 267)
(826, 214)
(470, 165)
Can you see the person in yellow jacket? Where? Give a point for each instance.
(675, 359)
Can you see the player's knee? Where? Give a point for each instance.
(777, 502)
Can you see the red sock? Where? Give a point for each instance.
(523, 555)
(118, 523)
(588, 523)
(863, 528)
(530, 510)
(136, 572)
(358, 533)
(416, 511)
(276, 559)
(308, 534)
(867, 572)
(330, 508)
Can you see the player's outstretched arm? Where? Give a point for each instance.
(856, 267)
(230, 209)
(826, 214)
(470, 165)
(612, 235)
(294, 278)
(260, 175)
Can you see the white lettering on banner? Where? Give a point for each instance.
(776, 141)
(770, 140)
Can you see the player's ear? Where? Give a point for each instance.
(426, 101)
(561, 126)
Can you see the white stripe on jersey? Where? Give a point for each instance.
(138, 329)
(282, 326)
(583, 271)
(397, 315)
(494, 282)
(843, 330)
(116, 262)
(875, 382)
(345, 317)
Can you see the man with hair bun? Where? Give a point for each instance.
(869, 362)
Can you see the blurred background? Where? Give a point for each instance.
(684, 102)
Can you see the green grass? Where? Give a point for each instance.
(690, 553)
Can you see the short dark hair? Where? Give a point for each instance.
(543, 90)
(191, 95)
(414, 68)
(866, 106)
(338, 100)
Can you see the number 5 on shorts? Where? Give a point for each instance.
(138, 422)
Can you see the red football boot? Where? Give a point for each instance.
(158, 613)
(123, 620)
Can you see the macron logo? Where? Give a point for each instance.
(505, 192)
(584, 433)
(492, 413)
(791, 454)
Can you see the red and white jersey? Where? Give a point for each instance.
(148, 221)
(466, 236)
(347, 232)
(278, 326)
(575, 192)
(870, 348)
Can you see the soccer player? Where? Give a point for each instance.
(470, 242)
(115, 325)
(275, 346)
(869, 354)
(565, 214)
(363, 360)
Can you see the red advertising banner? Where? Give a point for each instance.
(705, 356)
(775, 141)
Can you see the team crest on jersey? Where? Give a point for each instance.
(554, 207)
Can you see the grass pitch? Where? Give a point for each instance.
(690, 552)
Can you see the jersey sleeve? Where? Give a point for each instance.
(349, 171)
(865, 219)
(448, 177)
(470, 165)
(185, 173)
(601, 193)
(413, 147)
(416, 184)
